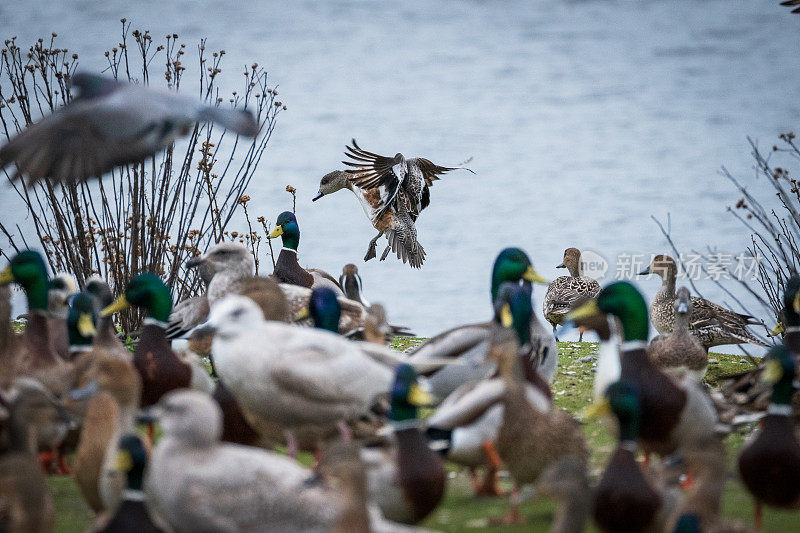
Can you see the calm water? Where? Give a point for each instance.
(583, 118)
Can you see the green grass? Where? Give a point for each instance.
(461, 511)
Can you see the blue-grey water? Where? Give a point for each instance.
(584, 118)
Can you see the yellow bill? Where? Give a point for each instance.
(533, 277)
(6, 276)
(302, 314)
(122, 461)
(506, 318)
(419, 397)
(777, 330)
(120, 304)
(277, 232)
(773, 372)
(598, 409)
(86, 325)
(797, 302)
(587, 310)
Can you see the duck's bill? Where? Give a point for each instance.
(120, 304)
(86, 325)
(122, 462)
(589, 309)
(796, 304)
(277, 232)
(597, 410)
(194, 262)
(645, 271)
(562, 265)
(84, 392)
(506, 318)
(533, 277)
(773, 372)
(302, 314)
(318, 196)
(6, 276)
(683, 308)
(777, 330)
(418, 396)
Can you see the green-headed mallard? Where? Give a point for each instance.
(80, 324)
(287, 269)
(406, 478)
(769, 464)
(132, 515)
(565, 292)
(160, 368)
(466, 424)
(676, 412)
(109, 123)
(395, 222)
(626, 499)
(36, 356)
(711, 323)
(679, 350)
(470, 343)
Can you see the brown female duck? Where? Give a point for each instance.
(679, 350)
(565, 292)
(713, 324)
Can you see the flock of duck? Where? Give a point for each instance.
(299, 363)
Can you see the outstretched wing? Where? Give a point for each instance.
(431, 171)
(373, 170)
(791, 3)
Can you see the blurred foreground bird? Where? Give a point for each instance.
(109, 123)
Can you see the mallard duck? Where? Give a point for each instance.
(466, 424)
(80, 324)
(106, 338)
(36, 356)
(26, 501)
(287, 269)
(109, 123)
(226, 266)
(679, 350)
(406, 479)
(197, 483)
(769, 464)
(132, 515)
(62, 287)
(565, 292)
(529, 440)
(711, 323)
(113, 387)
(393, 221)
(470, 343)
(677, 415)
(567, 482)
(351, 284)
(626, 499)
(159, 367)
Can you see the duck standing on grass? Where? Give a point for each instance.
(679, 350)
(769, 464)
(712, 324)
(406, 478)
(287, 269)
(566, 292)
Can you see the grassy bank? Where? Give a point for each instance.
(462, 511)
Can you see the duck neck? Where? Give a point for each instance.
(681, 321)
(288, 270)
(37, 334)
(634, 325)
(668, 282)
(782, 393)
(36, 292)
(159, 307)
(291, 236)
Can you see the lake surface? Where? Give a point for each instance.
(584, 118)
